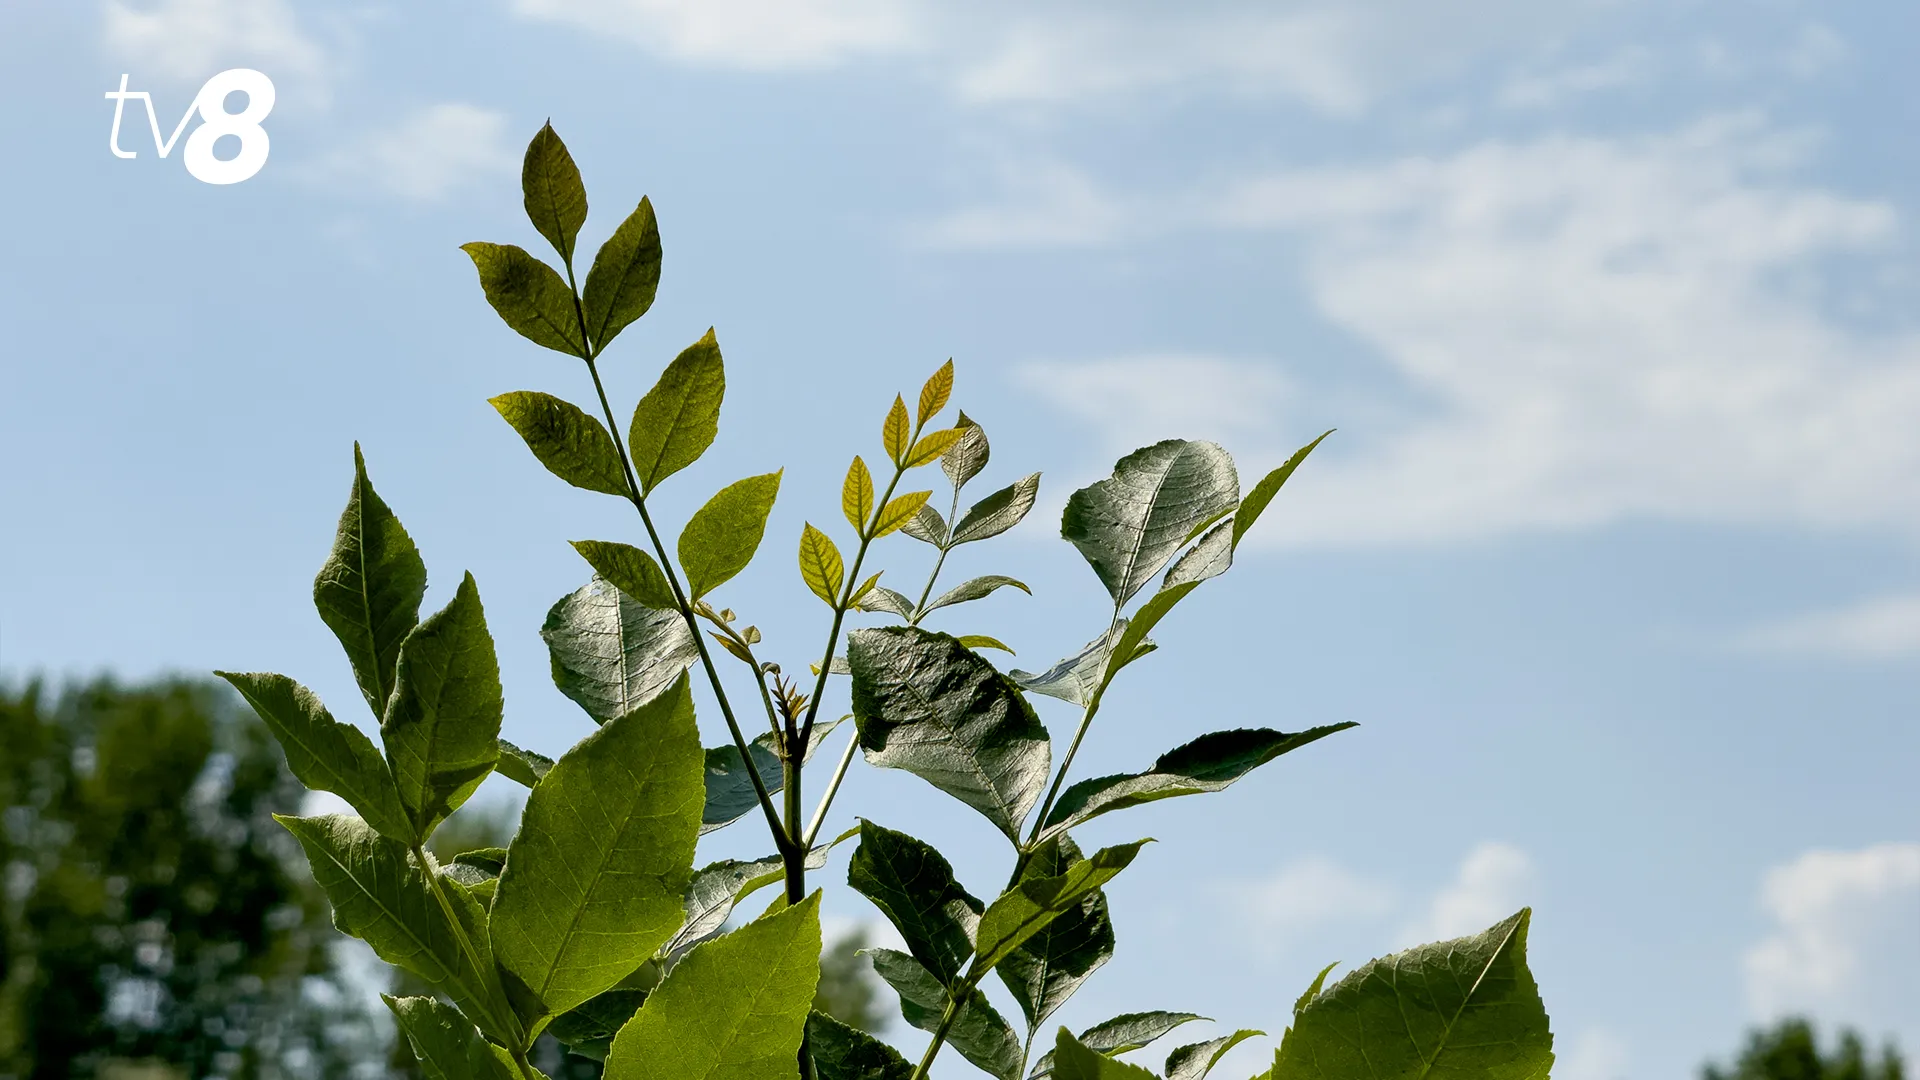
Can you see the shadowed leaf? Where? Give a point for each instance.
(446, 1043)
(550, 187)
(846, 1053)
(1131, 523)
(625, 275)
(528, 295)
(368, 592)
(572, 445)
(612, 654)
(1263, 492)
(443, 726)
(1046, 969)
(1074, 1060)
(1034, 902)
(934, 393)
(1195, 1060)
(914, 887)
(979, 1032)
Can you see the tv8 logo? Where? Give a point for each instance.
(211, 105)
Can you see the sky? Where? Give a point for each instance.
(1612, 555)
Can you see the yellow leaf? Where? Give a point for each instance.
(866, 587)
(856, 496)
(932, 445)
(820, 565)
(934, 395)
(733, 647)
(900, 511)
(895, 432)
(982, 641)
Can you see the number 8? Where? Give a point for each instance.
(245, 124)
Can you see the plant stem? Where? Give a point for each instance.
(947, 1018)
(920, 607)
(437, 888)
(526, 1067)
(833, 788)
(846, 599)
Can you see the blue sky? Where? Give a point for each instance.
(1613, 556)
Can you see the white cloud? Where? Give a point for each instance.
(1541, 89)
(428, 154)
(1593, 1054)
(1595, 329)
(191, 40)
(1140, 399)
(1306, 894)
(1494, 881)
(745, 34)
(1878, 629)
(1845, 941)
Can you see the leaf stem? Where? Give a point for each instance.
(526, 1067)
(833, 788)
(946, 545)
(436, 887)
(947, 1018)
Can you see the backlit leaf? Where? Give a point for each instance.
(914, 887)
(1074, 1060)
(895, 432)
(572, 445)
(528, 295)
(1123, 1033)
(932, 445)
(900, 511)
(1195, 1060)
(1046, 969)
(985, 641)
(550, 187)
(610, 653)
(856, 496)
(1263, 492)
(723, 535)
(998, 512)
(442, 727)
(368, 592)
(1131, 523)
(446, 1043)
(1033, 902)
(624, 278)
(979, 1032)
(630, 570)
(928, 704)
(678, 419)
(976, 589)
(325, 754)
(820, 565)
(521, 766)
(718, 888)
(934, 394)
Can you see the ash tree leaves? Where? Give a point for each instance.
(551, 191)
(1131, 523)
(729, 787)
(734, 1009)
(1034, 902)
(679, 418)
(976, 589)
(325, 754)
(572, 445)
(369, 590)
(979, 1032)
(1075, 679)
(625, 276)
(821, 566)
(914, 887)
(1047, 968)
(998, 512)
(1211, 762)
(847, 1053)
(630, 570)
(1074, 1060)
(723, 535)
(1453, 1010)
(443, 725)
(528, 296)
(595, 878)
(927, 704)
(1195, 1060)
(612, 654)
(1129, 1031)
(446, 1043)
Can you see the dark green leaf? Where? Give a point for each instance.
(820, 565)
(930, 705)
(845, 1053)
(1263, 492)
(729, 790)
(734, 1009)
(596, 875)
(1195, 1060)
(968, 456)
(1447, 1011)
(678, 419)
(443, 725)
(625, 275)
(978, 1032)
(369, 590)
(588, 1029)
(550, 185)
(914, 887)
(1211, 762)
(927, 526)
(631, 570)
(976, 589)
(1131, 523)
(720, 887)
(1313, 989)
(1209, 558)
(985, 641)
(477, 866)
(521, 766)
(1076, 678)
(1123, 1033)
(528, 295)
(998, 512)
(1047, 968)
(612, 654)
(723, 535)
(325, 754)
(380, 895)
(446, 1043)
(1074, 1060)
(885, 599)
(1032, 903)
(572, 445)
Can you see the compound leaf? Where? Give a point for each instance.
(325, 754)
(914, 887)
(572, 445)
(678, 419)
(368, 592)
(1131, 523)
(624, 278)
(443, 724)
(610, 653)
(723, 535)
(528, 295)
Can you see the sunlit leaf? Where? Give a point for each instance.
(856, 496)
(1195, 1060)
(630, 570)
(1074, 1060)
(969, 455)
(528, 295)
(368, 592)
(934, 394)
(1048, 967)
(820, 565)
(678, 419)
(1263, 492)
(895, 432)
(325, 754)
(550, 187)
(1131, 523)
(446, 1043)
(975, 589)
(1077, 677)
(723, 535)
(1033, 902)
(979, 1032)
(998, 512)
(521, 766)
(900, 511)
(624, 278)
(610, 653)
(442, 727)
(927, 526)
(572, 445)
(932, 445)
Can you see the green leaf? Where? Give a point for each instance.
(734, 1009)
(446, 1043)
(369, 590)
(325, 754)
(932, 445)
(720, 887)
(900, 510)
(1195, 1060)
(885, 599)
(968, 456)
(1209, 558)
(976, 589)
(1030, 905)
(998, 512)
(856, 496)
(1076, 678)
(1130, 1031)
(379, 894)
(979, 1032)
(528, 295)
(678, 419)
(723, 535)
(476, 866)
(730, 793)
(914, 887)
(985, 641)
(588, 1030)
(820, 565)
(927, 526)
(1313, 989)
(625, 275)
(1133, 637)
(443, 725)
(521, 766)
(845, 1053)
(928, 704)
(1047, 968)
(630, 570)
(610, 653)
(572, 445)
(596, 874)
(1131, 523)
(1447, 1011)
(934, 393)
(895, 432)
(1211, 762)
(1263, 492)
(550, 185)
(1074, 1060)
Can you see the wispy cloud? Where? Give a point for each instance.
(191, 40)
(425, 156)
(1882, 628)
(752, 35)
(1494, 881)
(1306, 894)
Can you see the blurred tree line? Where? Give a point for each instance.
(156, 923)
